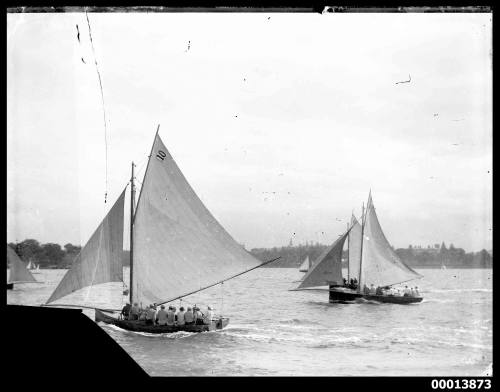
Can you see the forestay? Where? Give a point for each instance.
(179, 247)
(18, 271)
(100, 260)
(327, 269)
(354, 243)
(380, 265)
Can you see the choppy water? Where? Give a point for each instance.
(278, 332)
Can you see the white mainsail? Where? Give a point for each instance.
(179, 247)
(354, 244)
(18, 271)
(380, 265)
(100, 260)
(327, 268)
(304, 267)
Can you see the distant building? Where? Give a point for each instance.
(420, 249)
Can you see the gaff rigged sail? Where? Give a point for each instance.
(380, 265)
(179, 247)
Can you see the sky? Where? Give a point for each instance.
(282, 123)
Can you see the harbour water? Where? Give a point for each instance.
(276, 332)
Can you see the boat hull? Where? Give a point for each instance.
(10, 286)
(346, 296)
(141, 326)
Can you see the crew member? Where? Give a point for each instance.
(134, 312)
(207, 318)
(161, 316)
(126, 311)
(170, 316)
(181, 320)
(189, 317)
(406, 292)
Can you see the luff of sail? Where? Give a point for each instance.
(18, 271)
(354, 243)
(100, 260)
(327, 269)
(304, 267)
(179, 247)
(380, 264)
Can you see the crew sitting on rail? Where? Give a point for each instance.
(174, 309)
(415, 292)
(207, 317)
(379, 291)
(407, 292)
(366, 290)
(126, 311)
(134, 312)
(353, 284)
(170, 316)
(150, 315)
(198, 316)
(161, 316)
(142, 313)
(189, 317)
(180, 316)
(386, 290)
(345, 282)
(373, 290)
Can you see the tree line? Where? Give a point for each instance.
(293, 256)
(51, 255)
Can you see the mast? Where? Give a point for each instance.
(132, 202)
(348, 277)
(361, 249)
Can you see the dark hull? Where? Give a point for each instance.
(345, 296)
(10, 286)
(140, 326)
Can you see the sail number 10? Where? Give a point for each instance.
(161, 155)
(461, 384)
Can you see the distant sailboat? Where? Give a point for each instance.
(443, 267)
(33, 267)
(371, 261)
(18, 271)
(306, 264)
(177, 248)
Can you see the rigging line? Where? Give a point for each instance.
(103, 109)
(219, 282)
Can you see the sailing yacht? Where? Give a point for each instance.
(371, 260)
(33, 267)
(306, 265)
(18, 271)
(177, 248)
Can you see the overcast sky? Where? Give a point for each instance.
(281, 122)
